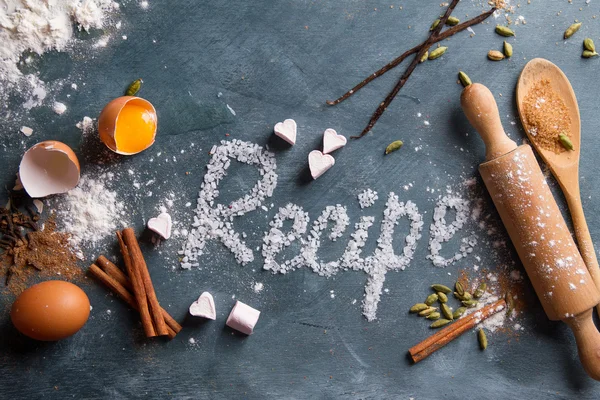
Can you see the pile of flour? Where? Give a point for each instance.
(38, 26)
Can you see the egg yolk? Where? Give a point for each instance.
(135, 128)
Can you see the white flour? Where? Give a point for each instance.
(38, 26)
(90, 212)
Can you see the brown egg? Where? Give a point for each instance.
(127, 125)
(50, 310)
(47, 168)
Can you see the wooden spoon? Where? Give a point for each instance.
(564, 166)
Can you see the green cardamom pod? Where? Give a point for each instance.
(424, 57)
(433, 316)
(565, 141)
(418, 307)
(393, 146)
(588, 44)
(482, 339)
(465, 296)
(589, 54)
(464, 79)
(434, 25)
(442, 297)
(510, 303)
(451, 21)
(504, 31)
(480, 290)
(427, 311)
(459, 312)
(134, 87)
(432, 298)
(439, 323)
(469, 303)
(495, 55)
(572, 29)
(441, 288)
(508, 49)
(459, 288)
(437, 53)
(447, 311)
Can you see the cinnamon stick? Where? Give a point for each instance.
(139, 264)
(411, 67)
(398, 60)
(446, 335)
(139, 290)
(115, 272)
(119, 290)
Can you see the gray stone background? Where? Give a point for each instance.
(273, 60)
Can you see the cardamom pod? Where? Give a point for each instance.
(495, 55)
(508, 49)
(482, 339)
(418, 307)
(572, 29)
(441, 288)
(442, 297)
(469, 303)
(424, 57)
(459, 312)
(465, 296)
(432, 298)
(134, 87)
(433, 316)
(427, 311)
(434, 25)
(439, 323)
(480, 290)
(464, 79)
(437, 53)
(393, 146)
(504, 31)
(565, 141)
(510, 303)
(588, 44)
(459, 288)
(451, 21)
(447, 311)
(589, 54)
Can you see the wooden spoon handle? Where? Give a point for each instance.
(588, 342)
(582, 233)
(481, 109)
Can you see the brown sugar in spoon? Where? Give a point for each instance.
(564, 165)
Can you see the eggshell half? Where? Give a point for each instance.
(49, 167)
(50, 310)
(107, 121)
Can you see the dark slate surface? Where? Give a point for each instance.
(281, 59)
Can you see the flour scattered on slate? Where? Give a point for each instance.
(91, 212)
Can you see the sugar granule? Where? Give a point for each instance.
(367, 198)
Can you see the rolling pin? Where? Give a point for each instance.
(536, 227)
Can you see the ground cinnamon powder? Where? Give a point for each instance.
(41, 253)
(546, 116)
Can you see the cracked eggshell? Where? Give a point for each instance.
(47, 168)
(107, 121)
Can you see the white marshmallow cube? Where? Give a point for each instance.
(243, 318)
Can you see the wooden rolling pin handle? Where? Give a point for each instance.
(588, 342)
(481, 110)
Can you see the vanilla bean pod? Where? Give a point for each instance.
(385, 103)
(398, 60)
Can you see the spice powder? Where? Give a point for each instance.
(546, 116)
